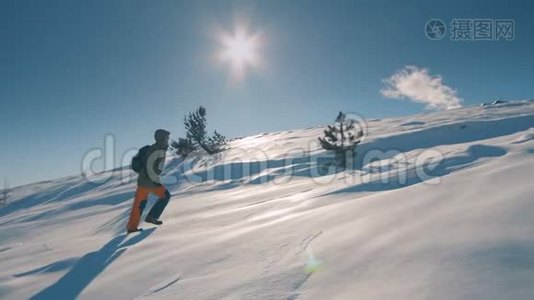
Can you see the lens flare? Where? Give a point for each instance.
(313, 265)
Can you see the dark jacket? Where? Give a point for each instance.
(150, 175)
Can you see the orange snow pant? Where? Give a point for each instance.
(141, 196)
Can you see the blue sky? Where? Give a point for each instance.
(73, 71)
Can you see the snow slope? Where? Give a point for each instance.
(289, 230)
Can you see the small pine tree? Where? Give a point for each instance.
(341, 138)
(196, 136)
(195, 126)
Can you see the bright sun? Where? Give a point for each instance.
(240, 50)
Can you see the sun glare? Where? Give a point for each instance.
(240, 50)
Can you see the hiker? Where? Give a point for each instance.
(149, 163)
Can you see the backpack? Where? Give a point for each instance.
(139, 160)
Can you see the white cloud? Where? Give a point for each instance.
(419, 86)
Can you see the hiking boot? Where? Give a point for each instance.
(135, 230)
(153, 220)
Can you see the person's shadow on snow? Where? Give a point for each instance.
(89, 267)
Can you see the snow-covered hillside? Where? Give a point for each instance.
(289, 229)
